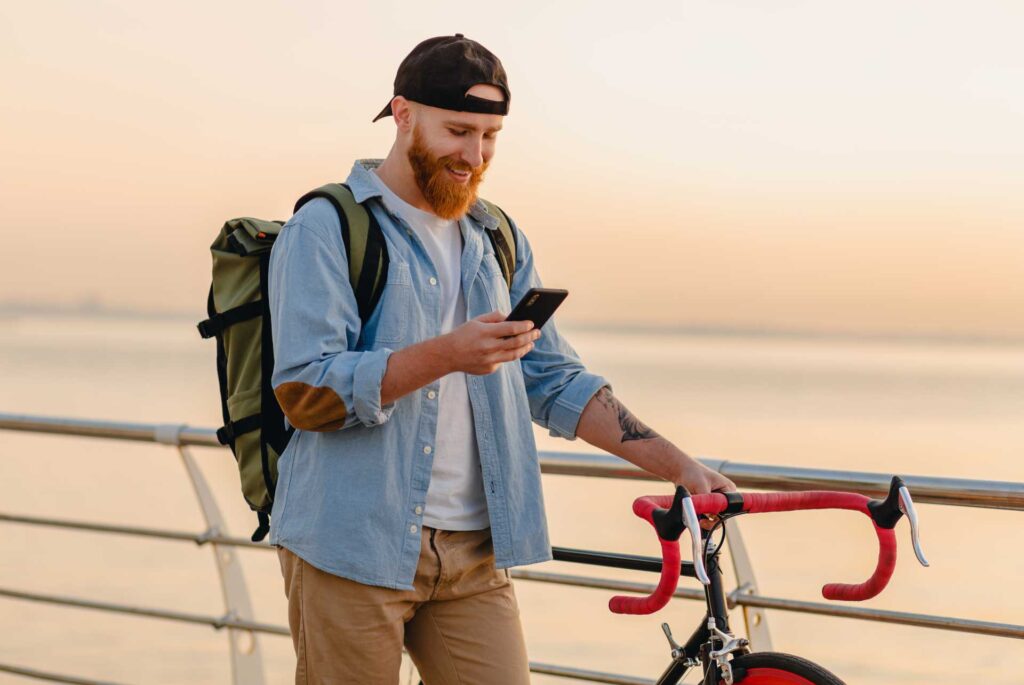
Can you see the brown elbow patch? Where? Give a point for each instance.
(310, 408)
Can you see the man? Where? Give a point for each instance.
(412, 484)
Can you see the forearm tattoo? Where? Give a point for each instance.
(632, 427)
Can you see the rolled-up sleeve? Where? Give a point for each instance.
(320, 381)
(558, 386)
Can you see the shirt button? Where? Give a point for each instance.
(412, 528)
(433, 281)
(418, 509)
(426, 449)
(431, 394)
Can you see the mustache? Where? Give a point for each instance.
(455, 166)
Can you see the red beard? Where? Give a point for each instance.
(447, 197)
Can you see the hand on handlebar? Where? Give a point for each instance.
(699, 479)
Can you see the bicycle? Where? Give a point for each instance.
(724, 658)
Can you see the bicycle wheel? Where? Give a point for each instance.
(776, 668)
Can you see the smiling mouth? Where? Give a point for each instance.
(460, 175)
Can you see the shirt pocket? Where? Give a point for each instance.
(494, 283)
(394, 308)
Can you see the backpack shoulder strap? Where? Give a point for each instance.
(504, 241)
(364, 244)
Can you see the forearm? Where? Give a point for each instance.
(413, 367)
(608, 425)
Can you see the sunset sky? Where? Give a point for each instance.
(823, 165)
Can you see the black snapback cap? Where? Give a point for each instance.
(440, 70)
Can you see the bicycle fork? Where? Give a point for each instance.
(700, 649)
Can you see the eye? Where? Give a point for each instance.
(456, 133)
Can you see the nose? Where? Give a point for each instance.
(472, 153)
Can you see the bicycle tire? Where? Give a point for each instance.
(777, 668)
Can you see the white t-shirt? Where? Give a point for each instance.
(455, 497)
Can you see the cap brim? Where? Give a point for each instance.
(386, 112)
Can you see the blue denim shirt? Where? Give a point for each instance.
(350, 494)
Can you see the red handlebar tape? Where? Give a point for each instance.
(757, 503)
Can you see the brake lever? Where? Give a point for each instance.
(692, 524)
(885, 513)
(906, 506)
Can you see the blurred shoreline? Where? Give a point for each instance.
(90, 308)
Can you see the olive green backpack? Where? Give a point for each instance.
(239, 319)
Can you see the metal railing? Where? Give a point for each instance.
(246, 658)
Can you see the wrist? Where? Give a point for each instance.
(686, 468)
(441, 358)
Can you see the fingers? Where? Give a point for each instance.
(507, 330)
(723, 484)
(520, 351)
(518, 340)
(508, 355)
(492, 317)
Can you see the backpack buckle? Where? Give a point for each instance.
(226, 434)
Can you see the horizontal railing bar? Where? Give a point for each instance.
(116, 430)
(52, 677)
(535, 667)
(950, 623)
(963, 625)
(990, 494)
(949, 491)
(601, 583)
(230, 622)
(583, 674)
(989, 628)
(631, 562)
(565, 554)
(215, 622)
(960, 625)
(209, 537)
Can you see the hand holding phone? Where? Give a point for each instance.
(537, 305)
(470, 346)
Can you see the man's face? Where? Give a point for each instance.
(449, 153)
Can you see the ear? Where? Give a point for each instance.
(403, 112)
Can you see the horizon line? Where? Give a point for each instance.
(91, 308)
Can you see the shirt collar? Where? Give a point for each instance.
(363, 188)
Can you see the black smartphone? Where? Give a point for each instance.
(537, 305)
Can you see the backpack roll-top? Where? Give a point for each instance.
(238, 308)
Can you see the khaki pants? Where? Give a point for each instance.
(460, 623)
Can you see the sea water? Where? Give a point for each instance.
(933, 407)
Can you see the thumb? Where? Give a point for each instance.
(492, 317)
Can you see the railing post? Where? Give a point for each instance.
(246, 656)
(754, 617)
